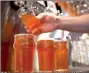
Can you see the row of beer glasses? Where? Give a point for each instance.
(52, 54)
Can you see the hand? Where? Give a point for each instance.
(47, 21)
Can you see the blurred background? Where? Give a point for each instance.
(11, 25)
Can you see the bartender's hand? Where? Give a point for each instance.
(47, 23)
(50, 22)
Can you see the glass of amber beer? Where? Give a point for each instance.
(46, 55)
(24, 46)
(30, 21)
(61, 56)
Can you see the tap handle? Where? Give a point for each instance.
(17, 4)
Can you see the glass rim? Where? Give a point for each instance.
(48, 39)
(24, 34)
(19, 11)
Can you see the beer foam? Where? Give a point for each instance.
(44, 36)
(24, 34)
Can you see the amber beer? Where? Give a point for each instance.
(31, 22)
(61, 55)
(24, 46)
(46, 55)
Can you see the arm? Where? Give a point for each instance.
(75, 24)
(51, 22)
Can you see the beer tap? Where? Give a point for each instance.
(59, 10)
(17, 4)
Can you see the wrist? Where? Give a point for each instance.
(58, 21)
(63, 22)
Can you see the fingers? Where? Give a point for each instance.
(33, 29)
(45, 24)
(37, 31)
(27, 29)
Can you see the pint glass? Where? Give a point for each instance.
(24, 46)
(61, 56)
(30, 21)
(46, 55)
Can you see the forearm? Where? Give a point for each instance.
(75, 24)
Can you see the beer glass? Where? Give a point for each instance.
(31, 22)
(24, 46)
(46, 55)
(61, 56)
